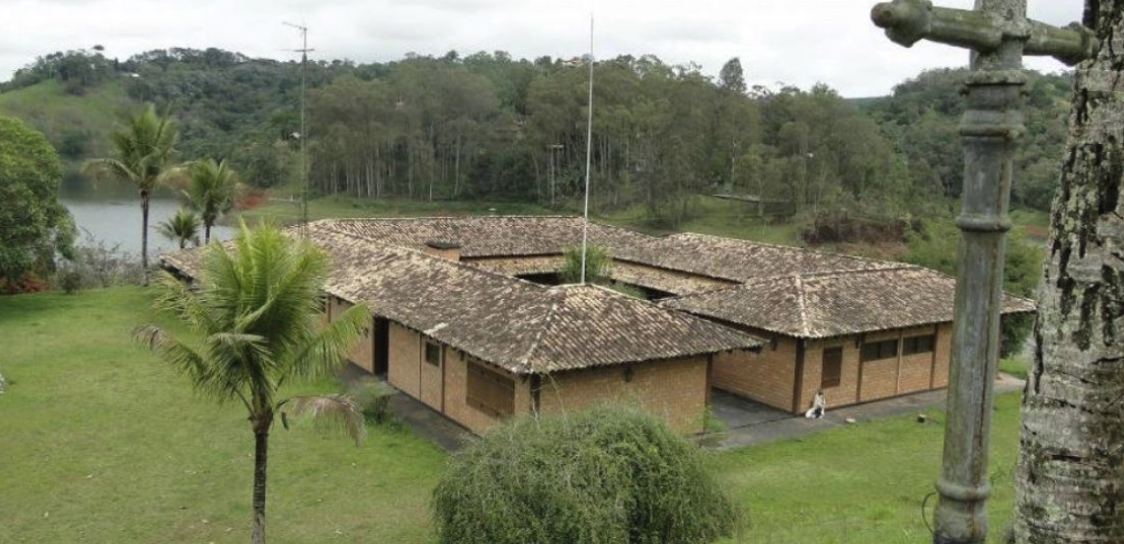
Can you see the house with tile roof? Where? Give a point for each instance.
(469, 318)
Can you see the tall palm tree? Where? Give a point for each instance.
(257, 317)
(183, 227)
(210, 191)
(142, 155)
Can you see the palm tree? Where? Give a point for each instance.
(597, 263)
(183, 227)
(256, 313)
(142, 153)
(210, 191)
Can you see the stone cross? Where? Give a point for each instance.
(998, 34)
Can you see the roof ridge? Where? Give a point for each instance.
(432, 217)
(445, 262)
(525, 360)
(802, 249)
(842, 271)
(801, 304)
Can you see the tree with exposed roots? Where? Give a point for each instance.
(257, 324)
(1070, 478)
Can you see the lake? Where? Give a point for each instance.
(110, 212)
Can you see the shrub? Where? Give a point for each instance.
(602, 476)
(70, 281)
(373, 399)
(597, 263)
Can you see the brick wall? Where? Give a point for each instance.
(456, 382)
(675, 390)
(765, 377)
(671, 281)
(846, 391)
(404, 360)
(881, 378)
(942, 355)
(916, 371)
(362, 353)
(431, 378)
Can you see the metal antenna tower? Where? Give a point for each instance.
(588, 152)
(303, 136)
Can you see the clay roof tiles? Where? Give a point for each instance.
(523, 327)
(837, 303)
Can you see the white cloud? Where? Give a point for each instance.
(795, 41)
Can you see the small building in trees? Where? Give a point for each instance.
(469, 319)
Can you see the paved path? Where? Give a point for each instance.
(750, 423)
(747, 422)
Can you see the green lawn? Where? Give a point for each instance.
(101, 442)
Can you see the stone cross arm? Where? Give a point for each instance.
(909, 21)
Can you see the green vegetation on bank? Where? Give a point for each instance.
(103, 443)
(490, 127)
(78, 126)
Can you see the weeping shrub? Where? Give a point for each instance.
(603, 476)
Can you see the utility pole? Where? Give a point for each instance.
(552, 148)
(304, 50)
(998, 34)
(588, 152)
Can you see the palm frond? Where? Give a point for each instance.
(336, 411)
(325, 352)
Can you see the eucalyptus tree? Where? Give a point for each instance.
(210, 191)
(183, 227)
(1070, 479)
(142, 155)
(256, 328)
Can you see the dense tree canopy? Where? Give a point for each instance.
(487, 125)
(33, 224)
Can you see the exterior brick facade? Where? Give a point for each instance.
(362, 354)
(675, 390)
(765, 377)
(771, 376)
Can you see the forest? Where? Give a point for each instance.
(489, 126)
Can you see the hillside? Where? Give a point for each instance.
(77, 125)
(491, 128)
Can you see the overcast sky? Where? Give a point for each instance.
(798, 42)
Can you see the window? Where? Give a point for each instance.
(490, 392)
(432, 353)
(832, 373)
(917, 344)
(886, 349)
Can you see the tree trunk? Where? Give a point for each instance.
(261, 456)
(144, 234)
(207, 232)
(1070, 478)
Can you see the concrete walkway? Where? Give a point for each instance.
(424, 421)
(749, 423)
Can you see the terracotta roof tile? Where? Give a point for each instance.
(821, 305)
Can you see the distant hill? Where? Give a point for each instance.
(77, 125)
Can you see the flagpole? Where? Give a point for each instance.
(588, 152)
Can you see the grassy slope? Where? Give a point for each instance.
(103, 443)
(45, 107)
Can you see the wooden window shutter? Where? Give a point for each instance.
(490, 392)
(832, 373)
